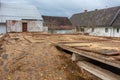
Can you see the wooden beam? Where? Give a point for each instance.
(97, 71)
(98, 57)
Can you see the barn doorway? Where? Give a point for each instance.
(24, 27)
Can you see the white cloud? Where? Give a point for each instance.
(67, 7)
(16, 1)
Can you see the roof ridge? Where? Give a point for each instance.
(97, 10)
(56, 16)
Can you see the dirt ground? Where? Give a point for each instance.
(35, 57)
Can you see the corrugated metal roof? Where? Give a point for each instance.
(18, 12)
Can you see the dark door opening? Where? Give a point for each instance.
(24, 27)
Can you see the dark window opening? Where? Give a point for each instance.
(106, 30)
(92, 29)
(117, 30)
(82, 30)
(24, 27)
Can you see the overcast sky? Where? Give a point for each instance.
(66, 7)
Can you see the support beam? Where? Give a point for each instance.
(97, 71)
(77, 57)
(98, 57)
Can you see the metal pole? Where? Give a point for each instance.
(0, 3)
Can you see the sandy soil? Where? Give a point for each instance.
(35, 57)
(28, 57)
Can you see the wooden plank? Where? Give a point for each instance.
(117, 57)
(97, 71)
(91, 55)
(107, 52)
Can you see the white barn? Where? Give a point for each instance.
(104, 22)
(19, 12)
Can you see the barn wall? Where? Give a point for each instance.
(35, 26)
(32, 26)
(100, 31)
(115, 33)
(2, 28)
(63, 31)
(14, 26)
(45, 29)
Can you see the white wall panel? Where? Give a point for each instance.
(100, 31)
(63, 31)
(35, 26)
(32, 26)
(2, 28)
